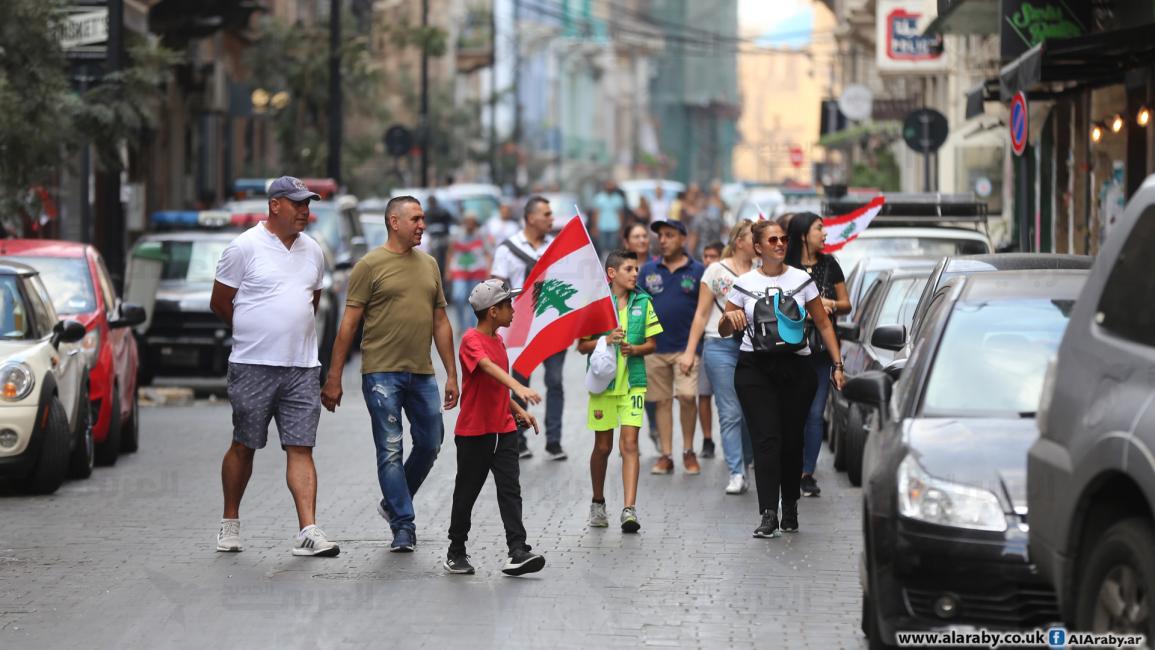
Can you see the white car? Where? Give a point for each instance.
(45, 413)
(913, 242)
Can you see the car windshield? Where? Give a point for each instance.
(14, 321)
(327, 226)
(375, 232)
(483, 206)
(908, 247)
(993, 356)
(189, 261)
(68, 280)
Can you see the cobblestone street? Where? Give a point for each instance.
(126, 558)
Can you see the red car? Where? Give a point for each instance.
(81, 289)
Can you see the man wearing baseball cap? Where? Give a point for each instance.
(486, 433)
(268, 284)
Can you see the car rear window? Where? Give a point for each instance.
(68, 280)
(189, 261)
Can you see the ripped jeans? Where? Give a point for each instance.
(386, 395)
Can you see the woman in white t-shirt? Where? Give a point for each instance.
(775, 388)
(720, 354)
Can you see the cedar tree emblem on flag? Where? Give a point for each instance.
(552, 293)
(849, 226)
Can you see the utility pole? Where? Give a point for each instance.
(424, 119)
(516, 82)
(112, 233)
(493, 175)
(336, 118)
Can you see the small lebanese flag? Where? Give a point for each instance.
(565, 298)
(843, 229)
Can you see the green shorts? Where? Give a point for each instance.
(608, 412)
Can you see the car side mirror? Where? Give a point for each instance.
(871, 388)
(130, 316)
(847, 331)
(889, 337)
(67, 331)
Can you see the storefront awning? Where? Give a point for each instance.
(965, 17)
(1083, 61)
(987, 91)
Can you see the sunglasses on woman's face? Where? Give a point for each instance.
(774, 240)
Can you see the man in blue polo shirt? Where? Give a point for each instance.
(673, 282)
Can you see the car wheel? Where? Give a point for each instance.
(84, 452)
(854, 440)
(130, 432)
(107, 451)
(1116, 591)
(52, 466)
(869, 622)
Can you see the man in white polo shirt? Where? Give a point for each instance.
(267, 286)
(513, 260)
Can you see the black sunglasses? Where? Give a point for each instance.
(774, 240)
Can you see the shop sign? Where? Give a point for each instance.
(1026, 23)
(902, 46)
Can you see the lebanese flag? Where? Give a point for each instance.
(565, 298)
(843, 229)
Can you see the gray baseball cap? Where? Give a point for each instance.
(292, 189)
(489, 293)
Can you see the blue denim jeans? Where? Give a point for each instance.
(387, 394)
(812, 433)
(719, 358)
(459, 298)
(554, 398)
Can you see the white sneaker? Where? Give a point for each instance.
(598, 517)
(312, 541)
(737, 484)
(229, 539)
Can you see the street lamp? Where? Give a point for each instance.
(1144, 116)
(1117, 123)
(1097, 131)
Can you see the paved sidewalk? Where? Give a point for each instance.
(126, 559)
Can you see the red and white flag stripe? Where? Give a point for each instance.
(843, 229)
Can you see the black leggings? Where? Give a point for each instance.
(775, 391)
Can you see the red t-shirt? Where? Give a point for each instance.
(484, 401)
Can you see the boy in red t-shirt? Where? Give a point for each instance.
(486, 433)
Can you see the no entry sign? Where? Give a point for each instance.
(796, 156)
(1019, 123)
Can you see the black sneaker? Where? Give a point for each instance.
(769, 527)
(522, 561)
(707, 448)
(789, 516)
(523, 450)
(457, 563)
(555, 452)
(809, 486)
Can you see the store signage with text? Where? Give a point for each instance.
(902, 47)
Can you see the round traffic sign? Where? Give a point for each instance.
(796, 156)
(924, 130)
(398, 140)
(856, 102)
(1019, 123)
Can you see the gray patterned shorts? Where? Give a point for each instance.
(291, 396)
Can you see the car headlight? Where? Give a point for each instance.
(933, 500)
(90, 344)
(16, 381)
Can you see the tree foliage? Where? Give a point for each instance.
(43, 119)
(294, 58)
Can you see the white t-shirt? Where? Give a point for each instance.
(511, 267)
(498, 230)
(660, 209)
(273, 320)
(719, 281)
(757, 283)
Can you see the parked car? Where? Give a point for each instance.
(914, 242)
(1091, 473)
(81, 289)
(865, 271)
(45, 413)
(944, 488)
(867, 344)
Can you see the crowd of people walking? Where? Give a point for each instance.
(736, 322)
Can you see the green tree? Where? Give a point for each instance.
(42, 119)
(295, 58)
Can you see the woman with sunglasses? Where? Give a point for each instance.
(775, 388)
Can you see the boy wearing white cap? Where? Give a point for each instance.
(618, 389)
(486, 433)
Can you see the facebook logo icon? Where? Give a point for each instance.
(1057, 637)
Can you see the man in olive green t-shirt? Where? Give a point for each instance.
(397, 289)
